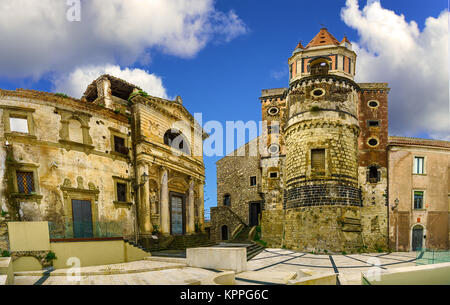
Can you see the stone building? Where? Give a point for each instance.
(323, 159)
(115, 162)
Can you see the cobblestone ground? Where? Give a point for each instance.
(272, 266)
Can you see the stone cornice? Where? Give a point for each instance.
(320, 78)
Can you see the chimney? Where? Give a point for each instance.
(104, 92)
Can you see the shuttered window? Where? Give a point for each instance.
(121, 192)
(25, 182)
(318, 160)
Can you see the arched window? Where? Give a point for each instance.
(320, 66)
(227, 200)
(177, 140)
(373, 174)
(224, 233)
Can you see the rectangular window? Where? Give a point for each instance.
(418, 167)
(18, 125)
(25, 182)
(418, 200)
(121, 192)
(373, 123)
(274, 175)
(119, 145)
(318, 160)
(253, 181)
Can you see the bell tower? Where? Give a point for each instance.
(322, 198)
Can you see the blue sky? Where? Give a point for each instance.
(223, 78)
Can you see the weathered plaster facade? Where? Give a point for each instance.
(96, 150)
(433, 217)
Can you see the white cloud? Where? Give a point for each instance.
(77, 81)
(414, 62)
(36, 37)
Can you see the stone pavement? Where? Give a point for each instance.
(272, 266)
(348, 266)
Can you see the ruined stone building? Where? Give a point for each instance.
(117, 162)
(319, 180)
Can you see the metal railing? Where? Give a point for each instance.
(427, 257)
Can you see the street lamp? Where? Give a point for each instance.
(144, 179)
(395, 207)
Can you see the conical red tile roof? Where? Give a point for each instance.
(323, 38)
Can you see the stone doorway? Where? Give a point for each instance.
(224, 232)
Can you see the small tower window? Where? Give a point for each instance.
(253, 181)
(227, 200)
(373, 123)
(372, 142)
(318, 160)
(373, 104)
(373, 174)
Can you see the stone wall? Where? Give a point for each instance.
(314, 229)
(233, 178)
(221, 216)
(4, 242)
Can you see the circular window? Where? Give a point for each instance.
(318, 92)
(273, 110)
(373, 104)
(274, 149)
(373, 142)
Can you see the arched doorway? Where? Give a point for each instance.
(417, 238)
(224, 232)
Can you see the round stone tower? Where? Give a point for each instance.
(322, 198)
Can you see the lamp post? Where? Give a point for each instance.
(395, 208)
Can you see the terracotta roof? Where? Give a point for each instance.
(418, 142)
(323, 38)
(346, 40)
(299, 46)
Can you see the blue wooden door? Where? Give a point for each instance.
(82, 219)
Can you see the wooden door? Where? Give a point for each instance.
(82, 219)
(417, 238)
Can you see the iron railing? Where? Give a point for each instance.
(427, 257)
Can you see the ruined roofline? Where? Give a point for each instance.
(58, 99)
(119, 84)
(399, 141)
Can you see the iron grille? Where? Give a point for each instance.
(25, 182)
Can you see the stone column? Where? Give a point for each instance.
(201, 205)
(165, 211)
(104, 92)
(191, 209)
(145, 222)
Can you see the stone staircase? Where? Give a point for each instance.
(242, 238)
(137, 246)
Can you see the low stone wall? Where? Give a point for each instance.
(234, 259)
(321, 229)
